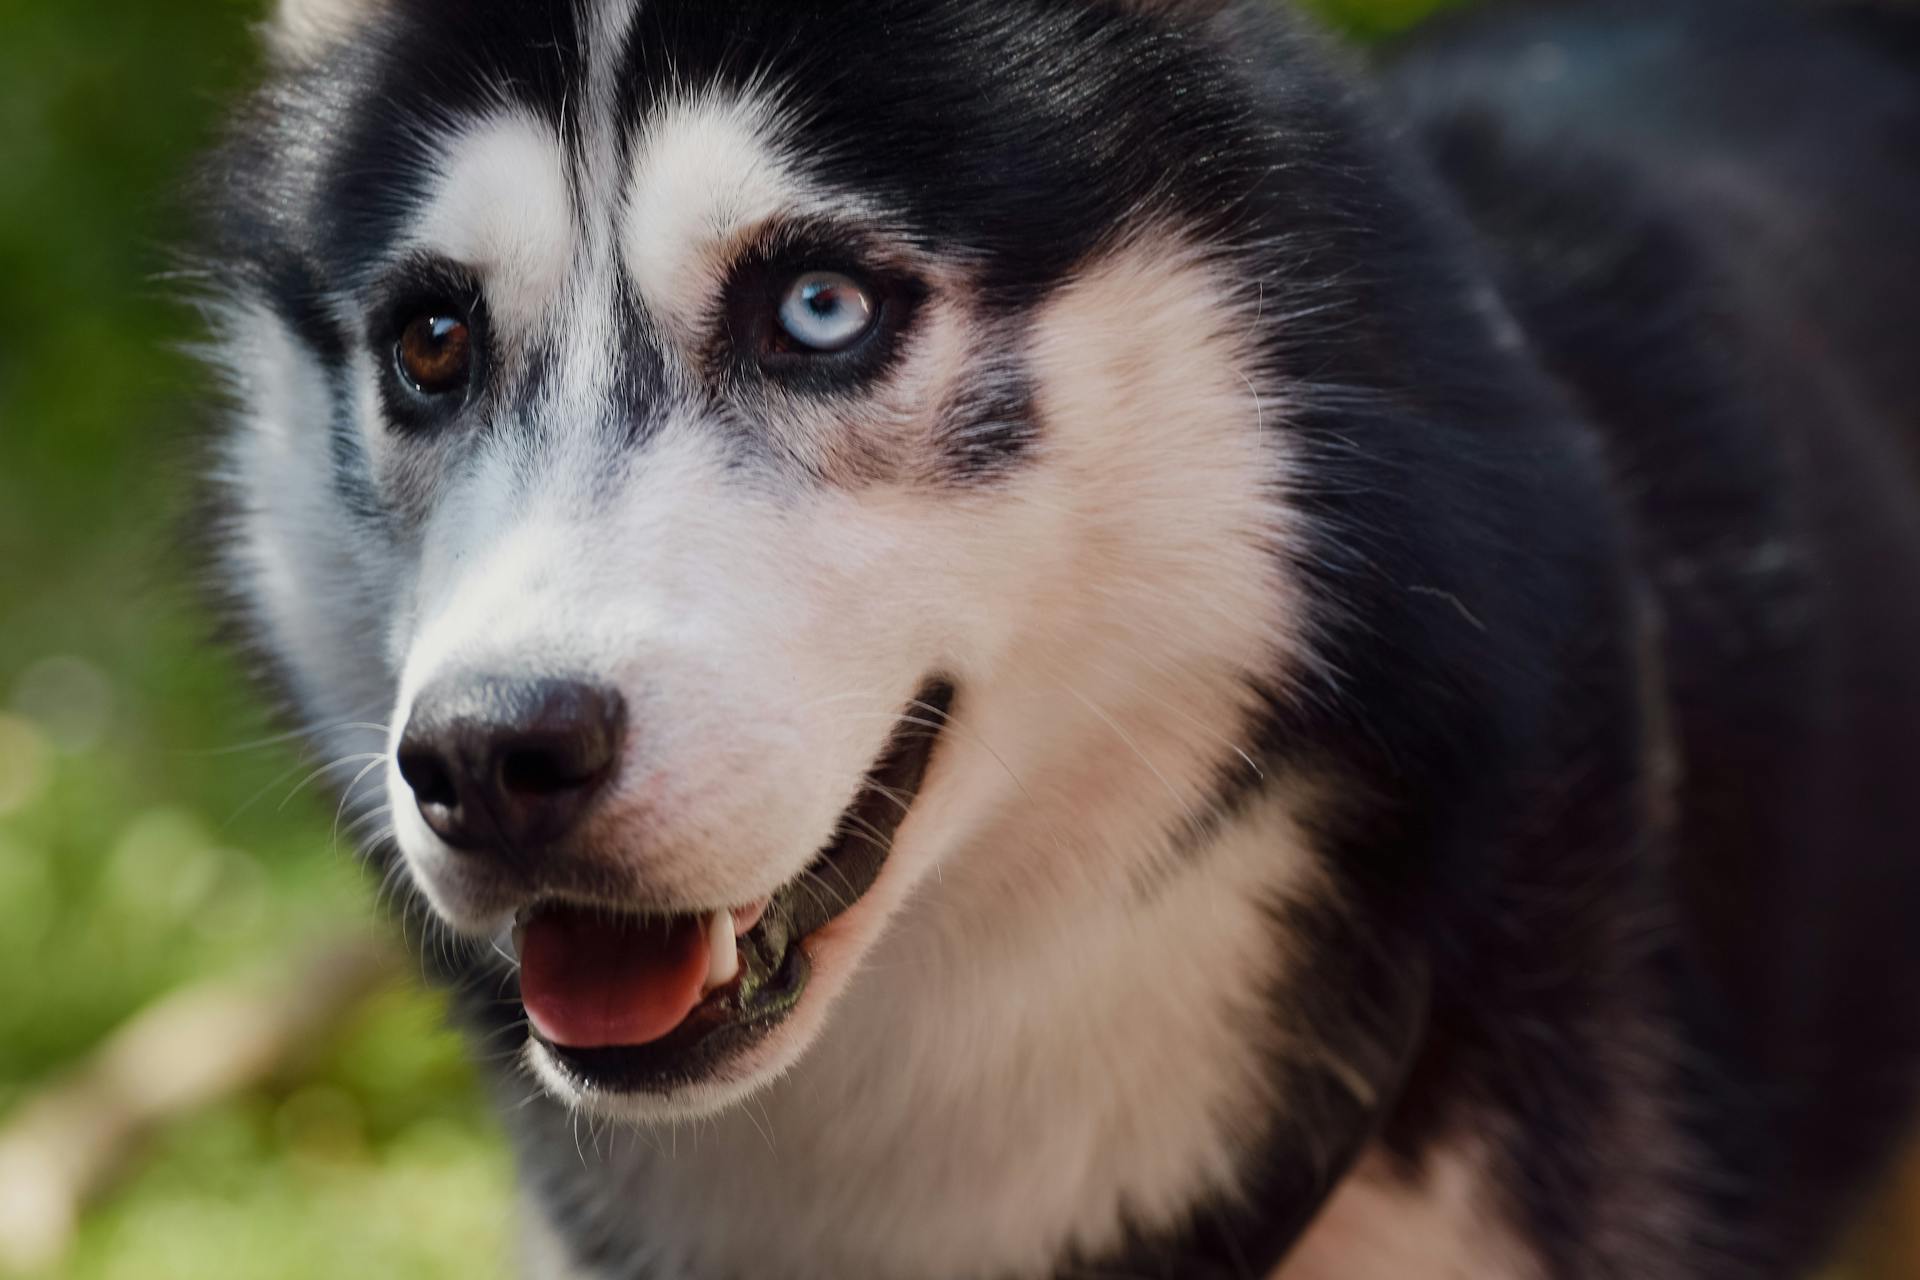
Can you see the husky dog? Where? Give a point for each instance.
(1035, 638)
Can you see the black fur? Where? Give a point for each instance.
(1706, 219)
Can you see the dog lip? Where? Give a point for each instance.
(776, 964)
(845, 871)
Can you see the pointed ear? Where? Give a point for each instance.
(301, 29)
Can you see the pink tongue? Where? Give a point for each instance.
(593, 983)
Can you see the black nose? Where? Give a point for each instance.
(509, 765)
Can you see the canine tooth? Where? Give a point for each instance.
(723, 956)
(744, 918)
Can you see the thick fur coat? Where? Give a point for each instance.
(1395, 608)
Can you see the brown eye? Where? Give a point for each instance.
(435, 353)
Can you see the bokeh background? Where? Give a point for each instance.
(154, 837)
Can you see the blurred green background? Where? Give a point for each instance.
(147, 838)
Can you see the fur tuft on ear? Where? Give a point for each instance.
(301, 29)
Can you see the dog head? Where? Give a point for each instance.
(735, 452)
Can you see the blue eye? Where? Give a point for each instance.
(826, 311)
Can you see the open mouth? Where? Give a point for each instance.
(647, 1004)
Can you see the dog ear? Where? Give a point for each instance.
(300, 29)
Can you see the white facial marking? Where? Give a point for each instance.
(292, 559)
(709, 173)
(501, 208)
(706, 173)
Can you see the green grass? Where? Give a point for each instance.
(138, 847)
(377, 1165)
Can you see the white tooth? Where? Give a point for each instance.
(744, 918)
(723, 956)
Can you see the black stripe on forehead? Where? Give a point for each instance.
(426, 70)
(1022, 131)
(630, 405)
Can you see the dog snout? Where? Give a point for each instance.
(502, 766)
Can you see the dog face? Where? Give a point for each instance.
(744, 453)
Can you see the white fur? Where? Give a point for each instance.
(731, 623)
(707, 174)
(302, 29)
(297, 566)
(502, 208)
(711, 173)
(1444, 1225)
